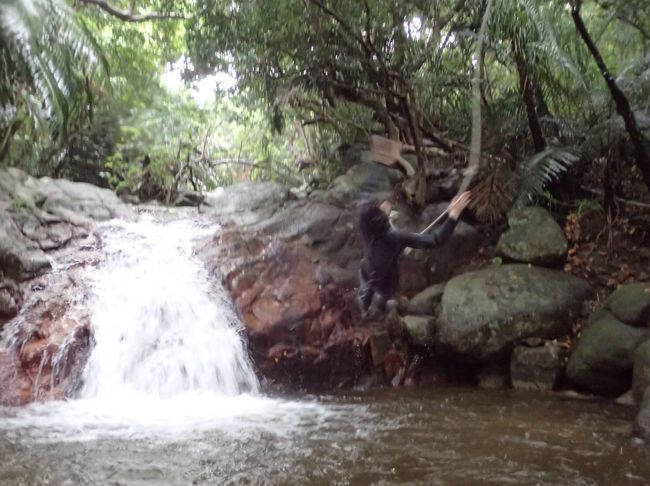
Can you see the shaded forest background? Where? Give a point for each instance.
(564, 93)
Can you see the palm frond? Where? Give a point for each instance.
(48, 51)
(539, 170)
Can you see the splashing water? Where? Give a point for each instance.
(160, 328)
(168, 357)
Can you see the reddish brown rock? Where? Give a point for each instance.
(300, 314)
(50, 344)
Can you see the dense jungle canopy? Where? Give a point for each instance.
(563, 87)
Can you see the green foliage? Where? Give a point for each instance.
(540, 169)
(49, 65)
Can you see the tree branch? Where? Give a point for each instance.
(128, 15)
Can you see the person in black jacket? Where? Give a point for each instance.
(382, 245)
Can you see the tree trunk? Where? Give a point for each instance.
(528, 95)
(641, 148)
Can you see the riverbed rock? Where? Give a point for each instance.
(603, 357)
(641, 373)
(427, 301)
(47, 347)
(538, 367)
(420, 329)
(630, 303)
(533, 237)
(486, 312)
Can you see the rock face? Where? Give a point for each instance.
(427, 301)
(299, 309)
(421, 329)
(537, 367)
(486, 312)
(631, 304)
(46, 346)
(248, 202)
(534, 237)
(641, 377)
(605, 355)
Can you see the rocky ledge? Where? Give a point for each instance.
(46, 240)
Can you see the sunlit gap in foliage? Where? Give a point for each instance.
(203, 91)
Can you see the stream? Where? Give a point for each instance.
(169, 396)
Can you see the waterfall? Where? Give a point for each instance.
(161, 328)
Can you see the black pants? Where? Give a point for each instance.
(372, 301)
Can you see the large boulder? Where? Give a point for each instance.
(20, 257)
(247, 202)
(38, 215)
(299, 311)
(363, 180)
(48, 344)
(537, 367)
(534, 237)
(631, 304)
(486, 312)
(603, 357)
(427, 301)
(641, 374)
(420, 329)
(323, 227)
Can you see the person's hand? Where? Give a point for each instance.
(458, 204)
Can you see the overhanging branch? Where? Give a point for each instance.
(129, 15)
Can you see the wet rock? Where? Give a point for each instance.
(247, 202)
(486, 312)
(380, 344)
(15, 384)
(427, 301)
(420, 329)
(10, 298)
(47, 349)
(602, 359)
(321, 226)
(534, 237)
(494, 376)
(631, 304)
(364, 180)
(20, 257)
(299, 324)
(189, 198)
(537, 368)
(641, 373)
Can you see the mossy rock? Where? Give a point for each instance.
(534, 237)
(631, 304)
(486, 312)
(603, 358)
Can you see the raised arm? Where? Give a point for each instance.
(441, 234)
(429, 240)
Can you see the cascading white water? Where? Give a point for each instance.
(169, 359)
(161, 329)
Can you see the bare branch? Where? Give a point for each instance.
(128, 15)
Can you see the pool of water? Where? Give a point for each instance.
(437, 436)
